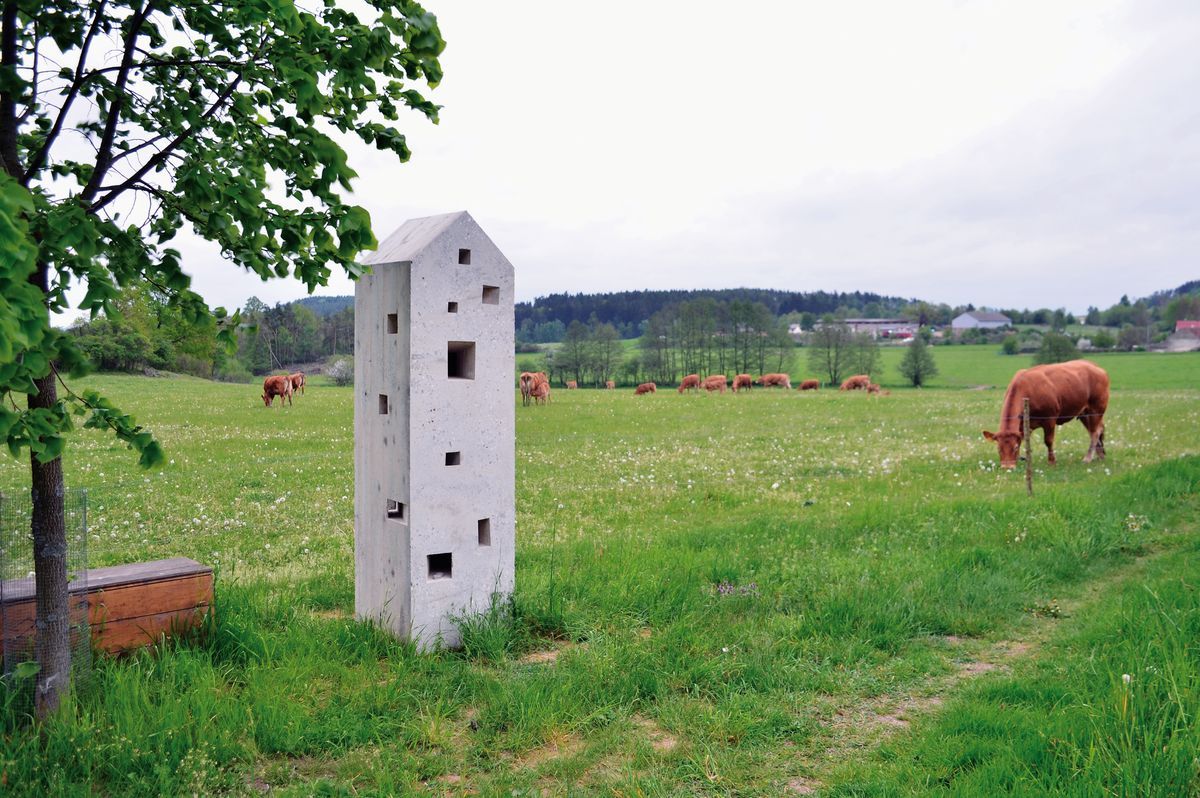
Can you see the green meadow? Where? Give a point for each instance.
(761, 594)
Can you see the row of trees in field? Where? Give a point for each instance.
(142, 330)
(705, 336)
(708, 337)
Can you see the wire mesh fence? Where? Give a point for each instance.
(18, 598)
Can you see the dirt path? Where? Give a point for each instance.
(853, 728)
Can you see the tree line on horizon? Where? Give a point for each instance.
(143, 331)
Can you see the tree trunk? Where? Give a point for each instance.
(53, 639)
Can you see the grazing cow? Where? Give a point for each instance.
(298, 381)
(690, 382)
(858, 382)
(1058, 393)
(281, 386)
(645, 387)
(572, 385)
(541, 392)
(609, 384)
(715, 382)
(526, 381)
(809, 385)
(780, 380)
(873, 388)
(742, 381)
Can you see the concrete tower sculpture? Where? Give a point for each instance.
(434, 429)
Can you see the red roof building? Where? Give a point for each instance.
(1189, 326)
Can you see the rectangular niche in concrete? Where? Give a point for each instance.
(441, 566)
(395, 510)
(460, 360)
(393, 323)
(453, 458)
(485, 531)
(464, 257)
(383, 404)
(491, 295)
(452, 307)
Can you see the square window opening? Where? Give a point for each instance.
(485, 531)
(453, 458)
(460, 360)
(464, 257)
(441, 566)
(491, 295)
(452, 307)
(393, 323)
(383, 404)
(395, 510)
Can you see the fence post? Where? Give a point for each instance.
(1028, 449)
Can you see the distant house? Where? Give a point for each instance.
(1192, 327)
(980, 320)
(795, 331)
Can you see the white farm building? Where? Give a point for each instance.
(980, 320)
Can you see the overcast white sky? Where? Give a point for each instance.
(1015, 154)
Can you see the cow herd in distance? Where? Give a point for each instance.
(530, 381)
(285, 386)
(1058, 394)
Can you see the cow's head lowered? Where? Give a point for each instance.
(1009, 444)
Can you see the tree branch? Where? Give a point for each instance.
(104, 151)
(10, 24)
(33, 81)
(167, 151)
(39, 158)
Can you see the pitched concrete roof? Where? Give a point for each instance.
(412, 237)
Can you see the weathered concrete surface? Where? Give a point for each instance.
(445, 447)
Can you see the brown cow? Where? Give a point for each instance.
(298, 381)
(279, 385)
(780, 380)
(609, 384)
(742, 381)
(690, 382)
(572, 385)
(809, 385)
(541, 393)
(873, 388)
(526, 381)
(858, 382)
(1058, 393)
(715, 382)
(645, 387)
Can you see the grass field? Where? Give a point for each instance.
(979, 365)
(763, 594)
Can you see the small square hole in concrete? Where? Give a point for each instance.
(383, 404)
(464, 257)
(393, 323)
(485, 531)
(440, 566)
(395, 510)
(491, 295)
(460, 360)
(453, 458)
(452, 307)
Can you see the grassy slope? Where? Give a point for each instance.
(854, 534)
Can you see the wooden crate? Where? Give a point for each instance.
(128, 605)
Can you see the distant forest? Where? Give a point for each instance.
(629, 311)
